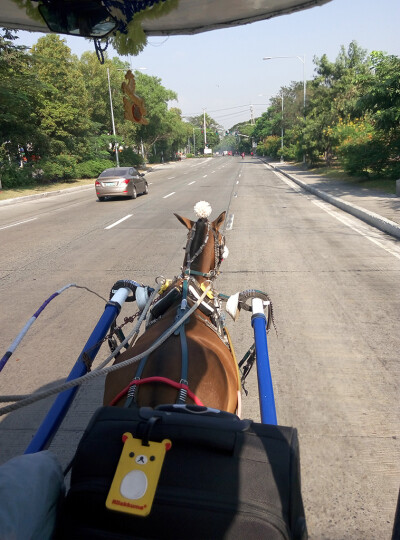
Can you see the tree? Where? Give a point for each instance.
(100, 139)
(64, 100)
(374, 145)
(19, 88)
(212, 127)
(156, 98)
(333, 95)
(381, 94)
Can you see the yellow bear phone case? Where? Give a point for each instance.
(136, 477)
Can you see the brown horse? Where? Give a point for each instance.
(198, 356)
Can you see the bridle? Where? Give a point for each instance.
(219, 245)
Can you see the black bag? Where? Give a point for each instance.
(223, 478)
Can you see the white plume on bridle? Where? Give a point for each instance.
(202, 209)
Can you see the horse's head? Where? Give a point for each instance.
(205, 247)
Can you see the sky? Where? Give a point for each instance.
(223, 71)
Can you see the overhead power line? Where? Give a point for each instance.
(228, 108)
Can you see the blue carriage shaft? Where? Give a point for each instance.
(56, 415)
(265, 387)
(58, 411)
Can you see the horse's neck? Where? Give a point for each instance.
(203, 264)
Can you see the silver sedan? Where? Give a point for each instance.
(120, 182)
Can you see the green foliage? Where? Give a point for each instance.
(352, 114)
(19, 89)
(14, 177)
(92, 168)
(129, 158)
(56, 106)
(362, 150)
(134, 40)
(272, 146)
(195, 130)
(361, 157)
(62, 167)
(62, 110)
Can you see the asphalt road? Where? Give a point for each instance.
(334, 283)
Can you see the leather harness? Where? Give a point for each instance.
(189, 286)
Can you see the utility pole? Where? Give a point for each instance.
(282, 130)
(141, 144)
(112, 119)
(205, 129)
(251, 115)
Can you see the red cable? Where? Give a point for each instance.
(164, 380)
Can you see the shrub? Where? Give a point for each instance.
(62, 167)
(291, 153)
(14, 177)
(360, 148)
(129, 158)
(393, 170)
(272, 145)
(92, 168)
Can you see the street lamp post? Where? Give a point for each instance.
(303, 61)
(112, 118)
(282, 131)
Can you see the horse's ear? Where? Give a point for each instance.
(185, 221)
(219, 221)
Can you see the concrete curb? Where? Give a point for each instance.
(369, 217)
(44, 194)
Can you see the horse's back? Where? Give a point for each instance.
(212, 371)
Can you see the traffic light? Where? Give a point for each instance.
(134, 107)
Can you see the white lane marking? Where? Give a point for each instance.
(19, 223)
(237, 182)
(229, 224)
(171, 177)
(240, 175)
(364, 230)
(212, 172)
(119, 221)
(169, 195)
(199, 163)
(205, 176)
(190, 183)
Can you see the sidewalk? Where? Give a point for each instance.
(379, 209)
